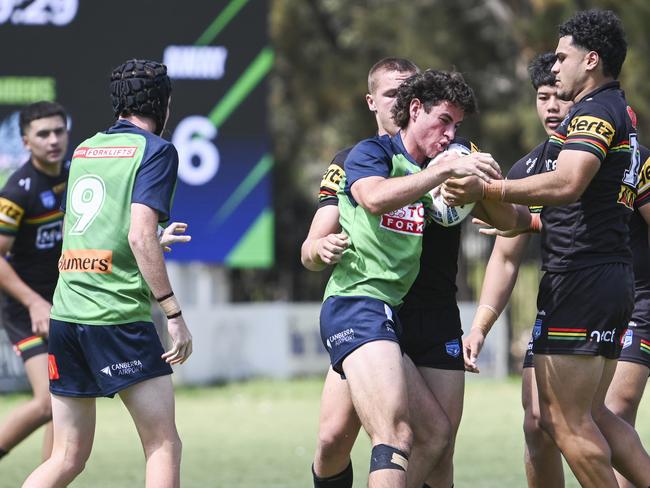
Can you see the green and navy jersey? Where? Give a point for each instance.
(30, 211)
(594, 230)
(436, 279)
(99, 281)
(382, 260)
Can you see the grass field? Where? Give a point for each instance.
(261, 434)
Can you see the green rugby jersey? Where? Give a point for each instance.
(383, 259)
(99, 280)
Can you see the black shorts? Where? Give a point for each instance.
(101, 360)
(346, 323)
(636, 344)
(585, 311)
(18, 325)
(528, 356)
(432, 336)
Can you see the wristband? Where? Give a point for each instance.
(483, 321)
(494, 191)
(535, 223)
(169, 305)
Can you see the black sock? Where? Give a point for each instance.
(341, 480)
(3, 453)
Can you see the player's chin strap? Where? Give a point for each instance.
(170, 306)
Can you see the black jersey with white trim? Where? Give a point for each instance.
(594, 230)
(639, 231)
(30, 211)
(541, 159)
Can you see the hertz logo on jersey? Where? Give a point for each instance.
(10, 213)
(332, 177)
(586, 125)
(86, 261)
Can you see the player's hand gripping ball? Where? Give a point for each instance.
(443, 214)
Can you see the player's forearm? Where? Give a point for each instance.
(309, 257)
(148, 255)
(392, 193)
(14, 286)
(543, 189)
(503, 216)
(499, 281)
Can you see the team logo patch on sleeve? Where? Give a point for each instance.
(10, 213)
(588, 126)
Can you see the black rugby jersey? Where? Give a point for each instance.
(541, 159)
(436, 280)
(639, 234)
(594, 230)
(30, 211)
(329, 184)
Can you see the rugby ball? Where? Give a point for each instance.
(442, 213)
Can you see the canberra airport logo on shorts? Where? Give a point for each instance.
(123, 369)
(405, 220)
(86, 261)
(339, 338)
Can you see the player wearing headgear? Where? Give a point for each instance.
(102, 339)
(586, 295)
(30, 238)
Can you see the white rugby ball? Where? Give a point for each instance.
(443, 214)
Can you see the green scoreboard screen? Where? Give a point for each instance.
(218, 57)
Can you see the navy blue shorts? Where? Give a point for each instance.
(101, 360)
(347, 323)
(432, 336)
(585, 311)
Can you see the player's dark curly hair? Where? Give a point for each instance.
(432, 87)
(539, 70)
(600, 31)
(401, 65)
(39, 110)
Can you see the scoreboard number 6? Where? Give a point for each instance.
(86, 201)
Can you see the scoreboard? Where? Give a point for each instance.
(218, 57)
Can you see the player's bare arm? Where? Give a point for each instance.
(575, 170)
(148, 254)
(10, 283)
(325, 242)
(500, 277)
(380, 195)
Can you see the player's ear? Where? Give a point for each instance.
(371, 103)
(414, 108)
